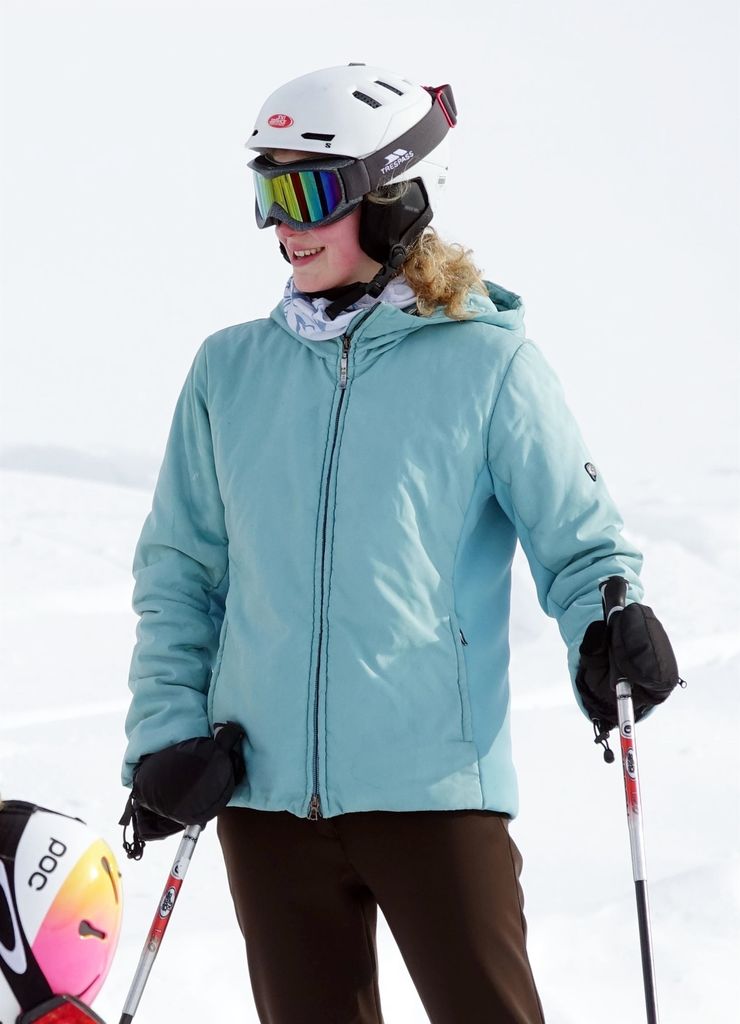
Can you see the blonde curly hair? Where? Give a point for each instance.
(440, 273)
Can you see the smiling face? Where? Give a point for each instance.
(324, 257)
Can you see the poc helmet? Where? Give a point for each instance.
(370, 130)
(60, 908)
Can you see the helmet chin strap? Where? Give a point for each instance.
(347, 294)
(355, 291)
(387, 233)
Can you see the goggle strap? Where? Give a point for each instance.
(424, 137)
(356, 180)
(443, 95)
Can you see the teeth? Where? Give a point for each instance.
(307, 252)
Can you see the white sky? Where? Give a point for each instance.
(595, 171)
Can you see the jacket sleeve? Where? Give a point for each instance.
(180, 570)
(566, 521)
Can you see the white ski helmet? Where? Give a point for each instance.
(359, 111)
(60, 908)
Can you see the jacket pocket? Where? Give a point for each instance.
(462, 678)
(216, 671)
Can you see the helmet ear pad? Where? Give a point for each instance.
(388, 224)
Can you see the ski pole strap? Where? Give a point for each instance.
(134, 850)
(601, 736)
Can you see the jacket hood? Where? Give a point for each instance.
(386, 324)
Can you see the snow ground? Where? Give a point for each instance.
(67, 637)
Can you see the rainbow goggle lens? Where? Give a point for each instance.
(306, 194)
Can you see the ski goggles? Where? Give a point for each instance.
(307, 193)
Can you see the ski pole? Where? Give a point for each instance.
(613, 595)
(161, 920)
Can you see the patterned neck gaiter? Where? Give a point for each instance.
(308, 318)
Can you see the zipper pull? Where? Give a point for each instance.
(462, 637)
(343, 364)
(315, 811)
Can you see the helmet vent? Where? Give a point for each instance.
(366, 99)
(391, 87)
(317, 135)
(88, 930)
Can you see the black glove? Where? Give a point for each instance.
(185, 784)
(634, 646)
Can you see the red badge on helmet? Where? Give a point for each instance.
(280, 121)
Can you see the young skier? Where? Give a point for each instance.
(327, 565)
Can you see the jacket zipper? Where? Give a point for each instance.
(315, 806)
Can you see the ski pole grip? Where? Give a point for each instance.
(613, 595)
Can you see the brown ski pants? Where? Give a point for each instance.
(306, 895)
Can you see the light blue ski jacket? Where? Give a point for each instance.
(328, 556)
